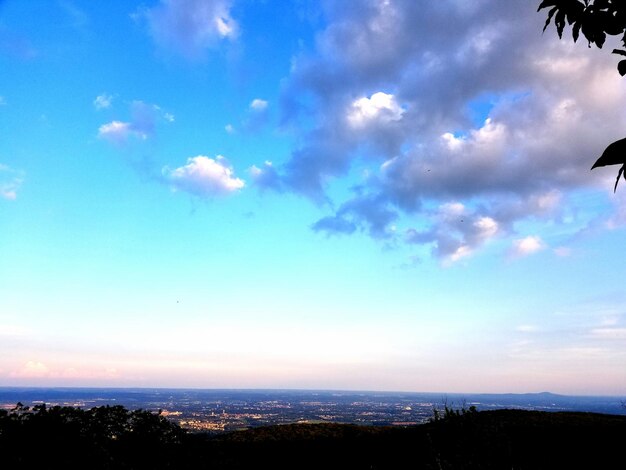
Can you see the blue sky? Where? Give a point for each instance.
(380, 195)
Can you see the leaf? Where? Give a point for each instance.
(618, 51)
(573, 11)
(547, 3)
(601, 4)
(550, 15)
(621, 67)
(600, 38)
(576, 31)
(588, 32)
(559, 21)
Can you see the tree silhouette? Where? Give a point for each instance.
(595, 19)
(106, 437)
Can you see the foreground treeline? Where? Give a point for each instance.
(112, 437)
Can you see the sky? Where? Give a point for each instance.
(354, 195)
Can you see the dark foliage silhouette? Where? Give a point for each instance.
(615, 154)
(595, 19)
(99, 438)
(112, 437)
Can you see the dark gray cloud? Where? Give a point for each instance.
(334, 225)
(370, 213)
(448, 104)
(266, 177)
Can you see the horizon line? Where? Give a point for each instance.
(310, 390)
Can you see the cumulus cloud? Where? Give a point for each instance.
(526, 246)
(189, 27)
(497, 117)
(455, 231)
(258, 104)
(204, 177)
(10, 182)
(117, 131)
(142, 124)
(103, 101)
(380, 107)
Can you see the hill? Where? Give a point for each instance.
(113, 437)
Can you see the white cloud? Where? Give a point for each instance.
(226, 26)
(381, 107)
(229, 128)
(103, 101)
(527, 246)
(204, 176)
(191, 26)
(8, 192)
(257, 116)
(142, 125)
(454, 143)
(117, 132)
(486, 227)
(258, 104)
(10, 182)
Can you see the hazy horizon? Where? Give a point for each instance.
(247, 194)
(295, 390)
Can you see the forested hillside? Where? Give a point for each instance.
(116, 438)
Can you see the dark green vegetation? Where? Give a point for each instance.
(115, 438)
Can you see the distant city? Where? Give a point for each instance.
(230, 410)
